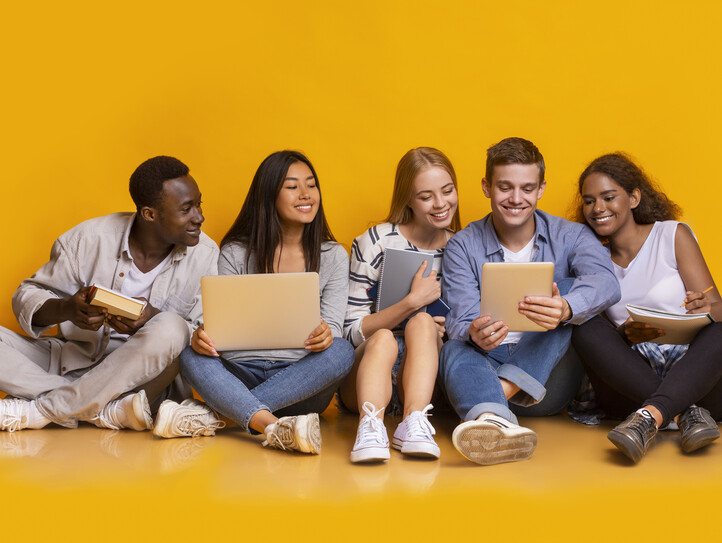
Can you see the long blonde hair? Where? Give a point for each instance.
(412, 164)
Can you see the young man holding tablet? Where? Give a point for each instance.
(99, 366)
(485, 365)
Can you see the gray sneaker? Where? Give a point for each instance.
(190, 418)
(301, 433)
(634, 435)
(698, 428)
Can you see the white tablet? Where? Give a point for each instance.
(260, 311)
(505, 284)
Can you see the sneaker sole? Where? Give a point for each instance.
(700, 439)
(369, 455)
(487, 444)
(627, 446)
(309, 434)
(162, 421)
(418, 449)
(141, 410)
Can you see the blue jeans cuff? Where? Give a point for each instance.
(491, 407)
(531, 391)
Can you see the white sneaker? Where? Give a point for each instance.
(414, 435)
(189, 419)
(131, 411)
(491, 439)
(372, 441)
(18, 414)
(301, 433)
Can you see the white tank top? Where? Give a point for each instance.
(652, 278)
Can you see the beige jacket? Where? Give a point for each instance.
(96, 251)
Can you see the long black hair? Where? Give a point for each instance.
(257, 225)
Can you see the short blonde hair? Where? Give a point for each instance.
(412, 164)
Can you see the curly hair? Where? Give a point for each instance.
(146, 183)
(654, 205)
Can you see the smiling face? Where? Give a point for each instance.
(179, 214)
(297, 202)
(433, 198)
(514, 191)
(606, 206)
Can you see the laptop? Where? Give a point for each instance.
(260, 311)
(505, 284)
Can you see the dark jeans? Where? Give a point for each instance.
(624, 381)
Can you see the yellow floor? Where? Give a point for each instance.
(92, 484)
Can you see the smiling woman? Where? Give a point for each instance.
(396, 364)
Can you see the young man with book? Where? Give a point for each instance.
(485, 366)
(100, 367)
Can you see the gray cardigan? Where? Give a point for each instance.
(333, 283)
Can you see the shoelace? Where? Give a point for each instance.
(281, 435)
(371, 429)
(195, 425)
(13, 420)
(418, 424)
(694, 416)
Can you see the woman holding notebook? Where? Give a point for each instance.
(281, 228)
(397, 348)
(659, 265)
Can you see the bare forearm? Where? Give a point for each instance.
(52, 312)
(388, 318)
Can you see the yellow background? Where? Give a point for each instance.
(89, 90)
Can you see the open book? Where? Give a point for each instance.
(115, 302)
(679, 328)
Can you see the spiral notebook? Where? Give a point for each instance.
(397, 274)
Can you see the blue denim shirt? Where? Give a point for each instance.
(582, 268)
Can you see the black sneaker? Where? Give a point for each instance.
(634, 435)
(698, 428)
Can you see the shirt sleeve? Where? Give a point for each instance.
(335, 292)
(195, 315)
(58, 278)
(232, 260)
(364, 271)
(594, 287)
(460, 287)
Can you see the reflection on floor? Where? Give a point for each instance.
(101, 484)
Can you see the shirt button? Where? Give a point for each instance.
(64, 368)
(121, 274)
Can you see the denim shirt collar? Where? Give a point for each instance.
(490, 240)
(178, 252)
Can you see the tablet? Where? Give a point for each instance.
(505, 284)
(260, 311)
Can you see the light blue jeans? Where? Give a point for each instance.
(239, 389)
(470, 376)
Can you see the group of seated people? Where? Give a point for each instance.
(626, 247)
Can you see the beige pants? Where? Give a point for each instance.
(148, 360)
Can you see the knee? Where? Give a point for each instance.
(382, 341)
(449, 355)
(343, 353)
(167, 331)
(421, 323)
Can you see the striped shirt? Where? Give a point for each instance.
(367, 255)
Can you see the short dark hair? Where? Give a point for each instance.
(513, 151)
(654, 205)
(146, 183)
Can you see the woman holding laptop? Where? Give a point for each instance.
(281, 228)
(659, 265)
(396, 365)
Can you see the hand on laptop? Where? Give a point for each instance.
(546, 311)
(201, 342)
(485, 334)
(320, 339)
(124, 325)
